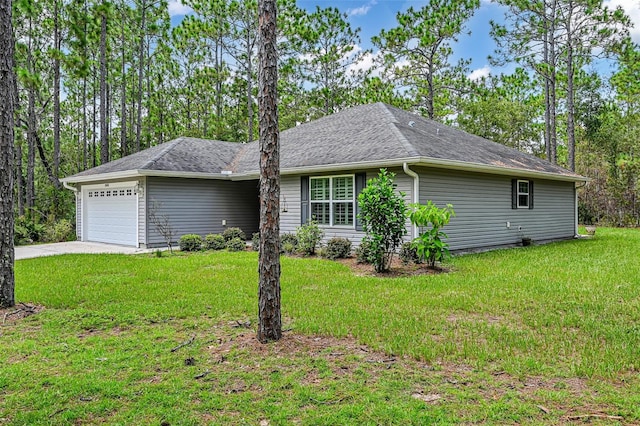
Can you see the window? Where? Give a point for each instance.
(332, 200)
(522, 194)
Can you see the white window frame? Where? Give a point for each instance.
(519, 193)
(333, 202)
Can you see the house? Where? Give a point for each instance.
(200, 186)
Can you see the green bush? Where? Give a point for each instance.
(409, 254)
(383, 212)
(214, 242)
(288, 243)
(27, 231)
(255, 241)
(363, 252)
(337, 248)
(430, 244)
(62, 230)
(231, 233)
(309, 236)
(236, 244)
(190, 242)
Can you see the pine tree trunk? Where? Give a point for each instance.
(8, 96)
(270, 320)
(56, 89)
(104, 142)
(571, 136)
(141, 53)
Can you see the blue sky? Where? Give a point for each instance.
(373, 15)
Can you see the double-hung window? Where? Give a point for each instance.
(523, 194)
(332, 200)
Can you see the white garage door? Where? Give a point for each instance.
(111, 215)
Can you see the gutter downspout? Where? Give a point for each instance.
(416, 193)
(72, 188)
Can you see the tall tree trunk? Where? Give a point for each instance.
(31, 129)
(249, 88)
(553, 102)
(104, 141)
(571, 136)
(19, 180)
(123, 99)
(143, 25)
(56, 88)
(7, 107)
(270, 320)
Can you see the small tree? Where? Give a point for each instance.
(162, 224)
(383, 212)
(430, 244)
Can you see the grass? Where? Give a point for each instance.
(529, 336)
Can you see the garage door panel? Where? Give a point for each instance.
(112, 216)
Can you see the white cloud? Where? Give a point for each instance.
(632, 9)
(480, 73)
(176, 8)
(362, 10)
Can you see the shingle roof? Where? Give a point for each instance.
(376, 133)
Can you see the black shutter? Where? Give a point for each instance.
(530, 195)
(361, 182)
(514, 193)
(304, 199)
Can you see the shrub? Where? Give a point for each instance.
(62, 230)
(27, 231)
(382, 212)
(190, 242)
(430, 244)
(288, 243)
(337, 248)
(362, 252)
(255, 241)
(409, 254)
(309, 236)
(214, 242)
(231, 233)
(236, 244)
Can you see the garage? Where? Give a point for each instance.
(111, 215)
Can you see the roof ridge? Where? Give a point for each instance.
(408, 146)
(172, 144)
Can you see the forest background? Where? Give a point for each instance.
(98, 80)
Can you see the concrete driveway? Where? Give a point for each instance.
(28, 252)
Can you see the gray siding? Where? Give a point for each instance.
(483, 207)
(290, 220)
(198, 206)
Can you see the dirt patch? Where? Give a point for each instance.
(398, 269)
(18, 312)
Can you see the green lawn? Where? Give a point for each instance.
(522, 336)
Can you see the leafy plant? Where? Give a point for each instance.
(255, 241)
(383, 214)
(309, 236)
(288, 243)
(337, 248)
(236, 244)
(409, 253)
(430, 244)
(27, 231)
(190, 242)
(214, 242)
(62, 230)
(362, 252)
(231, 233)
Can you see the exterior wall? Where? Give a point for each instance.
(483, 207)
(198, 206)
(291, 218)
(142, 212)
